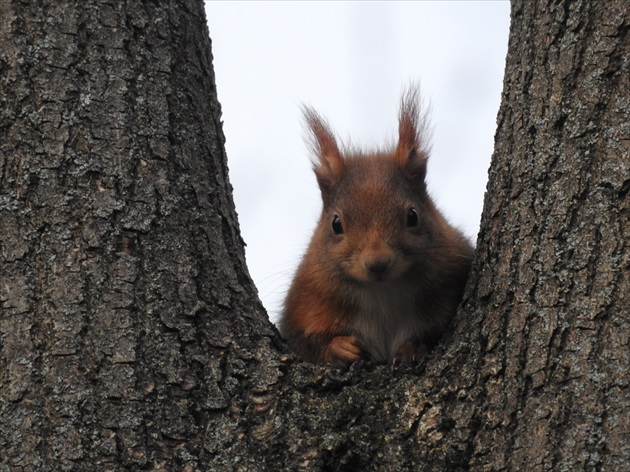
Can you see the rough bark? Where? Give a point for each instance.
(130, 333)
(123, 273)
(552, 293)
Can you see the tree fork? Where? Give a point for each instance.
(131, 336)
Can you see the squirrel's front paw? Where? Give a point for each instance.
(342, 351)
(410, 351)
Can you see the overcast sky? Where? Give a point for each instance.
(350, 61)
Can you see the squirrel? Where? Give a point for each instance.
(384, 272)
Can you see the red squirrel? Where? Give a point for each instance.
(384, 272)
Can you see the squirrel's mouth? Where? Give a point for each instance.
(376, 271)
(370, 281)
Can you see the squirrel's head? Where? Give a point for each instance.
(377, 216)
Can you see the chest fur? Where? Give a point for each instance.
(387, 316)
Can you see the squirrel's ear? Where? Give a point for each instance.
(328, 163)
(412, 150)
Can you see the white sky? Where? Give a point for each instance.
(350, 61)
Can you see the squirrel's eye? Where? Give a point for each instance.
(336, 225)
(412, 218)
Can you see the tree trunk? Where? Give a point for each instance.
(550, 288)
(131, 336)
(128, 317)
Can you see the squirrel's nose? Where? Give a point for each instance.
(378, 267)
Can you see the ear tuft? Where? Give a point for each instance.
(412, 150)
(328, 162)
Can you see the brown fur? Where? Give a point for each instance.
(384, 289)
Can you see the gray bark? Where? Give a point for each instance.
(131, 336)
(124, 288)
